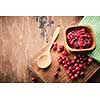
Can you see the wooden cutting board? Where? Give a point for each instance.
(46, 75)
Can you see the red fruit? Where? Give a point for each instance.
(63, 58)
(54, 48)
(84, 67)
(70, 74)
(72, 61)
(80, 65)
(70, 68)
(64, 53)
(54, 44)
(67, 71)
(73, 71)
(77, 68)
(78, 72)
(65, 66)
(76, 64)
(90, 60)
(55, 74)
(81, 73)
(59, 57)
(72, 77)
(76, 75)
(64, 62)
(59, 61)
(59, 50)
(33, 78)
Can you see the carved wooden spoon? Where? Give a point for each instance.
(44, 60)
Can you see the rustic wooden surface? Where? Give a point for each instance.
(21, 38)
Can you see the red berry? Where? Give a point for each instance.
(59, 50)
(76, 75)
(90, 60)
(70, 74)
(67, 71)
(78, 72)
(76, 64)
(73, 71)
(64, 62)
(77, 68)
(55, 74)
(65, 66)
(33, 78)
(55, 44)
(72, 77)
(54, 48)
(81, 73)
(59, 61)
(70, 68)
(64, 53)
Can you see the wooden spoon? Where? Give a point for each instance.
(44, 60)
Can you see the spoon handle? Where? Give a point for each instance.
(56, 32)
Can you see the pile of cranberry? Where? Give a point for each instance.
(76, 66)
(79, 39)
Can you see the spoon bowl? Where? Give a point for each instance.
(44, 60)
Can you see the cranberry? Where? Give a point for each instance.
(81, 73)
(73, 71)
(54, 48)
(64, 53)
(33, 78)
(67, 71)
(73, 61)
(68, 59)
(90, 60)
(60, 48)
(70, 74)
(55, 74)
(55, 44)
(59, 61)
(76, 75)
(66, 66)
(76, 64)
(80, 65)
(78, 72)
(77, 68)
(75, 57)
(64, 62)
(84, 68)
(63, 58)
(78, 60)
(72, 77)
(59, 57)
(70, 68)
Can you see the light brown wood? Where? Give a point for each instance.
(44, 60)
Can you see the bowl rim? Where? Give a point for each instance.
(77, 50)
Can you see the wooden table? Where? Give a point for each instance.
(23, 37)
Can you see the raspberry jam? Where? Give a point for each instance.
(79, 38)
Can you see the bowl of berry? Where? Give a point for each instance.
(80, 38)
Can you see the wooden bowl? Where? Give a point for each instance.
(89, 29)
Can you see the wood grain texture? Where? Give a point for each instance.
(21, 40)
